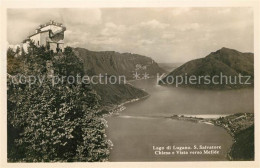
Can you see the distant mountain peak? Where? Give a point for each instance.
(227, 50)
(227, 61)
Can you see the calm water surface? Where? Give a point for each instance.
(143, 124)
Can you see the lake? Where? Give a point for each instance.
(143, 124)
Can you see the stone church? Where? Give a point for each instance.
(50, 35)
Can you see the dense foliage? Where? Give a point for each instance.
(53, 123)
(241, 127)
(13, 63)
(243, 148)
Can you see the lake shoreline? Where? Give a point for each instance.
(208, 121)
(114, 110)
(219, 123)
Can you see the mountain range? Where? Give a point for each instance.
(114, 63)
(227, 61)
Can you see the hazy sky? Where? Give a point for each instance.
(165, 34)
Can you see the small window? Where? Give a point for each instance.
(38, 43)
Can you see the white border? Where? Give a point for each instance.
(123, 3)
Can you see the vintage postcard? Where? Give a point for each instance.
(139, 84)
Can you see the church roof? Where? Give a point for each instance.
(51, 22)
(38, 33)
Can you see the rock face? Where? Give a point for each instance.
(225, 61)
(114, 63)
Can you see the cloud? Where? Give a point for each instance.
(106, 41)
(82, 16)
(168, 35)
(188, 27)
(154, 24)
(73, 44)
(112, 29)
(144, 42)
(34, 15)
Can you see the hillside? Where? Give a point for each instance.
(241, 127)
(243, 148)
(117, 94)
(114, 63)
(225, 61)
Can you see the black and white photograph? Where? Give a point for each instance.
(128, 84)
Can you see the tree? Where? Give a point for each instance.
(23, 52)
(18, 49)
(69, 64)
(59, 123)
(54, 123)
(68, 50)
(10, 53)
(13, 63)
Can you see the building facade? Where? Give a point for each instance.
(50, 35)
